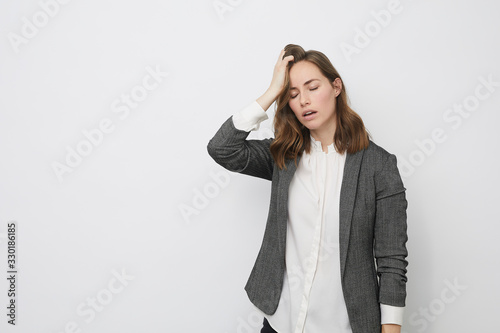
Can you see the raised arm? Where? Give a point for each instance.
(230, 147)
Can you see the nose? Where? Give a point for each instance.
(304, 99)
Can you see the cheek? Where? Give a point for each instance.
(293, 105)
(324, 98)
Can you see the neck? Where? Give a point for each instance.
(324, 135)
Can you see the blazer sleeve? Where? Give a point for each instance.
(230, 148)
(390, 234)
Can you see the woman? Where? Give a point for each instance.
(333, 256)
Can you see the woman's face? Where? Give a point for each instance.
(312, 98)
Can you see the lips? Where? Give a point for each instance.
(309, 114)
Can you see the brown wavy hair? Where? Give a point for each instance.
(291, 137)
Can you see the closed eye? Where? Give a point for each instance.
(292, 97)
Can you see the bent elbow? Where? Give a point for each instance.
(223, 156)
(212, 149)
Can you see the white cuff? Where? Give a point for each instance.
(249, 118)
(392, 314)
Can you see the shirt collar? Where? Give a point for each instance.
(316, 146)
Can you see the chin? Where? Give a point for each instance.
(310, 126)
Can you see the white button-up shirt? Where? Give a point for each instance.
(312, 300)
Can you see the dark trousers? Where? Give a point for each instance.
(267, 328)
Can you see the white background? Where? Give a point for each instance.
(119, 209)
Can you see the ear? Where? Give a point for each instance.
(337, 86)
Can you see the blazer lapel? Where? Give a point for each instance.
(285, 178)
(347, 198)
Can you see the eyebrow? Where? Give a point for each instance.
(305, 83)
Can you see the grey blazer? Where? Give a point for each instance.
(372, 226)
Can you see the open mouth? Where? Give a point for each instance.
(309, 114)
